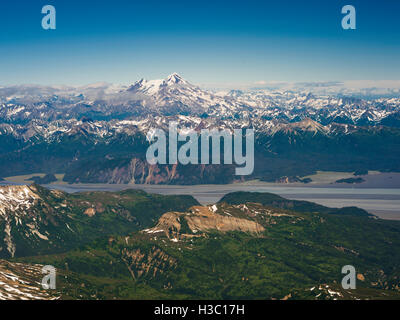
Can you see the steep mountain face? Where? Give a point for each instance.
(34, 220)
(139, 171)
(250, 249)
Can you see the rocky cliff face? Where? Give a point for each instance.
(139, 171)
(200, 220)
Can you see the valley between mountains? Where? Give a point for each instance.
(135, 245)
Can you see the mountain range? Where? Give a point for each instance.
(176, 96)
(97, 133)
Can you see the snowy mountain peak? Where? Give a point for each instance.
(152, 87)
(176, 95)
(175, 78)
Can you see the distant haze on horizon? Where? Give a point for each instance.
(363, 87)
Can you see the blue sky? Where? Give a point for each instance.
(207, 42)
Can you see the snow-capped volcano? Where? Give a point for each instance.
(151, 87)
(176, 94)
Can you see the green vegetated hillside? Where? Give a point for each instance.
(35, 220)
(248, 246)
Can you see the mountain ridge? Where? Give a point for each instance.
(174, 95)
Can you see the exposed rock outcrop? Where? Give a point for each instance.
(178, 225)
(139, 171)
